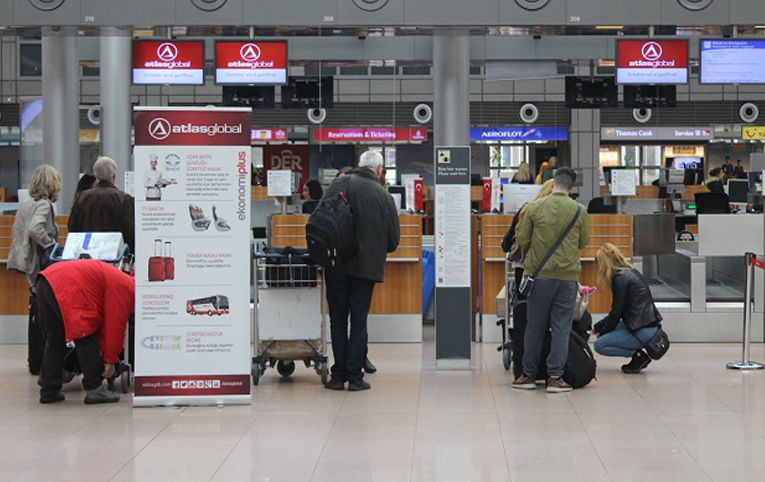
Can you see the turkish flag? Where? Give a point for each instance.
(486, 200)
(418, 195)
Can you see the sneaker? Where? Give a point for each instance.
(335, 384)
(59, 397)
(557, 385)
(525, 382)
(358, 385)
(369, 367)
(640, 360)
(101, 395)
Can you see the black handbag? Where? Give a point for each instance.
(527, 282)
(658, 345)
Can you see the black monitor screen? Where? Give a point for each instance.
(738, 191)
(255, 96)
(650, 96)
(712, 203)
(591, 93)
(308, 93)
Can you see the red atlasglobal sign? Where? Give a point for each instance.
(168, 62)
(251, 62)
(652, 61)
(362, 134)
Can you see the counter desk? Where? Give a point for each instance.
(396, 311)
(14, 288)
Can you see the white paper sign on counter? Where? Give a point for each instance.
(279, 183)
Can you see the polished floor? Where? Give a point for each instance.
(685, 419)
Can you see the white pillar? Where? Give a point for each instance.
(451, 88)
(116, 109)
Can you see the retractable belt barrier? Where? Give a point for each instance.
(746, 363)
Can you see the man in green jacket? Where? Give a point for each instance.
(551, 302)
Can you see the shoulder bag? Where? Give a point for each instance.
(527, 282)
(658, 345)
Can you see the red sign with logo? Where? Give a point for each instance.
(486, 198)
(168, 62)
(414, 134)
(251, 62)
(269, 135)
(290, 158)
(652, 61)
(185, 127)
(418, 195)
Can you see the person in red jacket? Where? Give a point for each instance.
(87, 302)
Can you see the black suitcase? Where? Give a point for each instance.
(291, 270)
(35, 338)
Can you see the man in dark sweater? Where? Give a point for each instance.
(350, 288)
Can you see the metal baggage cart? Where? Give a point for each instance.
(506, 323)
(289, 316)
(123, 370)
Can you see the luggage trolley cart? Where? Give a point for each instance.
(506, 323)
(289, 316)
(123, 262)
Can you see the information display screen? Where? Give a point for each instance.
(650, 96)
(652, 61)
(159, 62)
(251, 62)
(732, 61)
(591, 93)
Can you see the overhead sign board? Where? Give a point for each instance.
(732, 61)
(269, 135)
(642, 134)
(753, 133)
(168, 62)
(251, 62)
(652, 61)
(518, 133)
(361, 134)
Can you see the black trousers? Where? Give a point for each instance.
(348, 296)
(88, 354)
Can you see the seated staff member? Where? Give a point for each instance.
(87, 302)
(633, 319)
(312, 194)
(715, 181)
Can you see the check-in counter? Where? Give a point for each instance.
(14, 288)
(396, 311)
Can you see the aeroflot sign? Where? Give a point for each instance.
(188, 127)
(251, 62)
(652, 61)
(175, 63)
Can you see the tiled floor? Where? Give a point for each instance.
(685, 419)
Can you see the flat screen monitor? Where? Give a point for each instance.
(251, 62)
(688, 163)
(650, 96)
(591, 93)
(738, 191)
(308, 93)
(255, 96)
(162, 62)
(401, 192)
(516, 195)
(712, 203)
(652, 61)
(732, 61)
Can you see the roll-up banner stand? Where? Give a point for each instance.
(453, 263)
(192, 266)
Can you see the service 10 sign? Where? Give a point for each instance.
(171, 63)
(652, 61)
(251, 62)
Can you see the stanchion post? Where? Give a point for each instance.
(746, 363)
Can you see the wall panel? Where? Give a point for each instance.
(133, 12)
(290, 12)
(553, 13)
(67, 13)
(443, 12)
(615, 12)
(391, 12)
(717, 13)
(188, 13)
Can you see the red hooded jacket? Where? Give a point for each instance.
(94, 297)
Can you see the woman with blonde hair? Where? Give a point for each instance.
(523, 175)
(545, 166)
(633, 320)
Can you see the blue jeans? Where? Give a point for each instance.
(622, 342)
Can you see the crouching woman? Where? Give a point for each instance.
(633, 320)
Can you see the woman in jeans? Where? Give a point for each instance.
(633, 319)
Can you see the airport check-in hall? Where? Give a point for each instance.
(382, 240)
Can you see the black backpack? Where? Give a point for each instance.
(329, 232)
(581, 365)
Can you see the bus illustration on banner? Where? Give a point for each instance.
(213, 305)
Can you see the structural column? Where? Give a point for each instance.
(585, 150)
(116, 108)
(61, 104)
(451, 99)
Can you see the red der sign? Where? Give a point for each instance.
(250, 62)
(414, 134)
(192, 128)
(168, 62)
(652, 61)
(288, 158)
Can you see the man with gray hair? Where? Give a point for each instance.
(105, 208)
(350, 287)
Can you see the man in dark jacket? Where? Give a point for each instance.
(350, 288)
(105, 208)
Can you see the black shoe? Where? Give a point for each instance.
(59, 397)
(369, 367)
(640, 360)
(358, 385)
(335, 384)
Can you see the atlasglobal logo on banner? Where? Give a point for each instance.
(652, 61)
(250, 62)
(415, 134)
(173, 62)
(176, 127)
